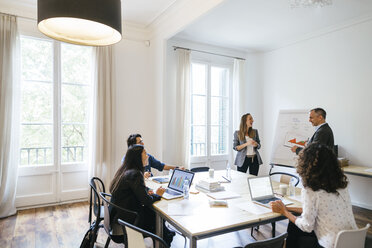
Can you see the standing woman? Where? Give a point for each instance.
(129, 191)
(247, 143)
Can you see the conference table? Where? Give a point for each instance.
(196, 219)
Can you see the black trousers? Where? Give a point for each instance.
(299, 239)
(252, 163)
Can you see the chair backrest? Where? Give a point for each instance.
(112, 229)
(352, 238)
(135, 236)
(276, 242)
(199, 169)
(286, 177)
(96, 186)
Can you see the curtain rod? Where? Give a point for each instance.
(23, 17)
(177, 47)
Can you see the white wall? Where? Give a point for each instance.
(135, 111)
(332, 71)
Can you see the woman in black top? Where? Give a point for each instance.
(129, 191)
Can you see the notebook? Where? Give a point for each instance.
(161, 179)
(261, 191)
(175, 185)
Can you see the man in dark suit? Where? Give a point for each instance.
(323, 133)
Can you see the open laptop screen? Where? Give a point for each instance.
(178, 178)
(260, 187)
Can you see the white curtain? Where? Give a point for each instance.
(238, 91)
(103, 154)
(9, 115)
(183, 107)
(238, 95)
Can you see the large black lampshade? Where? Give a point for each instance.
(83, 22)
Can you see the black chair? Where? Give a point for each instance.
(276, 242)
(285, 178)
(135, 236)
(95, 207)
(200, 169)
(113, 230)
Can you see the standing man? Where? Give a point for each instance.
(136, 138)
(323, 133)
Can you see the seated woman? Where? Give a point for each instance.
(326, 202)
(129, 191)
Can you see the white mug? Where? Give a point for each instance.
(283, 189)
(211, 173)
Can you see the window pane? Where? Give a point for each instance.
(198, 110)
(198, 72)
(36, 144)
(36, 59)
(36, 137)
(74, 139)
(219, 111)
(75, 99)
(198, 141)
(219, 81)
(36, 102)
(219, 140)
(76, 64)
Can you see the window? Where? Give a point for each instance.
(55, 97)
(210, 108)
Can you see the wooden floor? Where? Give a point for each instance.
(65, 225)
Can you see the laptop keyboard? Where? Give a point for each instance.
(172, 192)
(264, 201)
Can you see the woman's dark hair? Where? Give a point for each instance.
(319, 168)
(132, 161)
(132, 139)
(243, 129)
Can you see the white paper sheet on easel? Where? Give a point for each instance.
(253, 208)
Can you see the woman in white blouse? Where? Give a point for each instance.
(326, 201)
(246, 143)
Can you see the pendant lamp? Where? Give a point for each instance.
(83, 22)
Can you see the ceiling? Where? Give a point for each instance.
(140, 12)
(263, 25)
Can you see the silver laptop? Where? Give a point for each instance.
(175, 185)
(261, 191)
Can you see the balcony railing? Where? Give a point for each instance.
(199, 149)
(44, 155)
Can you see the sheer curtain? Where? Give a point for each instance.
(238, 91)
(238, 94)
(9, 115)
(183, 106)
(103, 155)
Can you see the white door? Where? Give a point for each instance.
(55, 101)
(210, 114)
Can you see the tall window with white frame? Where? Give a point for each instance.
(55, 95)
(56, 92)
(210, 108)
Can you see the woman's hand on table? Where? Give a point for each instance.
(160, 191)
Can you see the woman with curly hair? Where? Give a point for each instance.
(326, 202)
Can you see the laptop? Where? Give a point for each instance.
(261, 191)
(175, 185)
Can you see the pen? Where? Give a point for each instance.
(226, 179)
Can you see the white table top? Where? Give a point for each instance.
(196, 218)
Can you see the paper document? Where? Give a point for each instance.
(253, 208)
(368, 170)
(223, 195)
